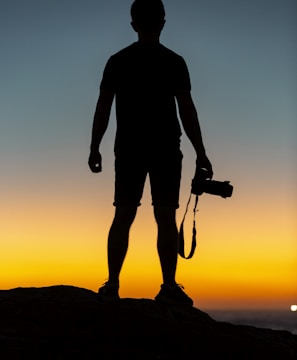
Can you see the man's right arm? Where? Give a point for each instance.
(100, 123)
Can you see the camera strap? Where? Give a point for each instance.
(181, 248)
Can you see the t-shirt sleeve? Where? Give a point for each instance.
(109, 76)
(183, 82)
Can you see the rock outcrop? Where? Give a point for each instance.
(65, 322)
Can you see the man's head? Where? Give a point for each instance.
(148, 16)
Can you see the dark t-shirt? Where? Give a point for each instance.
(145, 79)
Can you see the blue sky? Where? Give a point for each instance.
(241, 56)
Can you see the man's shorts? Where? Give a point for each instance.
(164, 170)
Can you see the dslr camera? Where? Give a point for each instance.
(200, 185)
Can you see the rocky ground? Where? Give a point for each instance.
(65, 322)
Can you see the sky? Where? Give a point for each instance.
(55, 214)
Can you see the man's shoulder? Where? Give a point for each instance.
(127, 50)
(144, 53)
(169, 52)
(137, 47)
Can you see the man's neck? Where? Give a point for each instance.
(149, 38)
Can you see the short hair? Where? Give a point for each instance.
(148, 15)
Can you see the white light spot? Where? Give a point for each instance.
(294, 308)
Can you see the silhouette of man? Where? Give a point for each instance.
(146, 79)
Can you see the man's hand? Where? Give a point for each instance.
(95, 162)
(203, 162)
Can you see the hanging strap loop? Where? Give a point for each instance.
(181, 248)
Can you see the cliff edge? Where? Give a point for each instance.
(66, 322)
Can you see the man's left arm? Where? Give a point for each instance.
(189, 118)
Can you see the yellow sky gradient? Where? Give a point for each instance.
(246, 255)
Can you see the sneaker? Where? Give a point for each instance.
(173, 295)
(108, 292)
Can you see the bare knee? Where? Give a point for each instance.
(124, 215)
(165, 216)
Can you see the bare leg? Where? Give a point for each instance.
(118, 240)
(167, 243)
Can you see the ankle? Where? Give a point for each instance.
(112, 282)
(170, 285)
